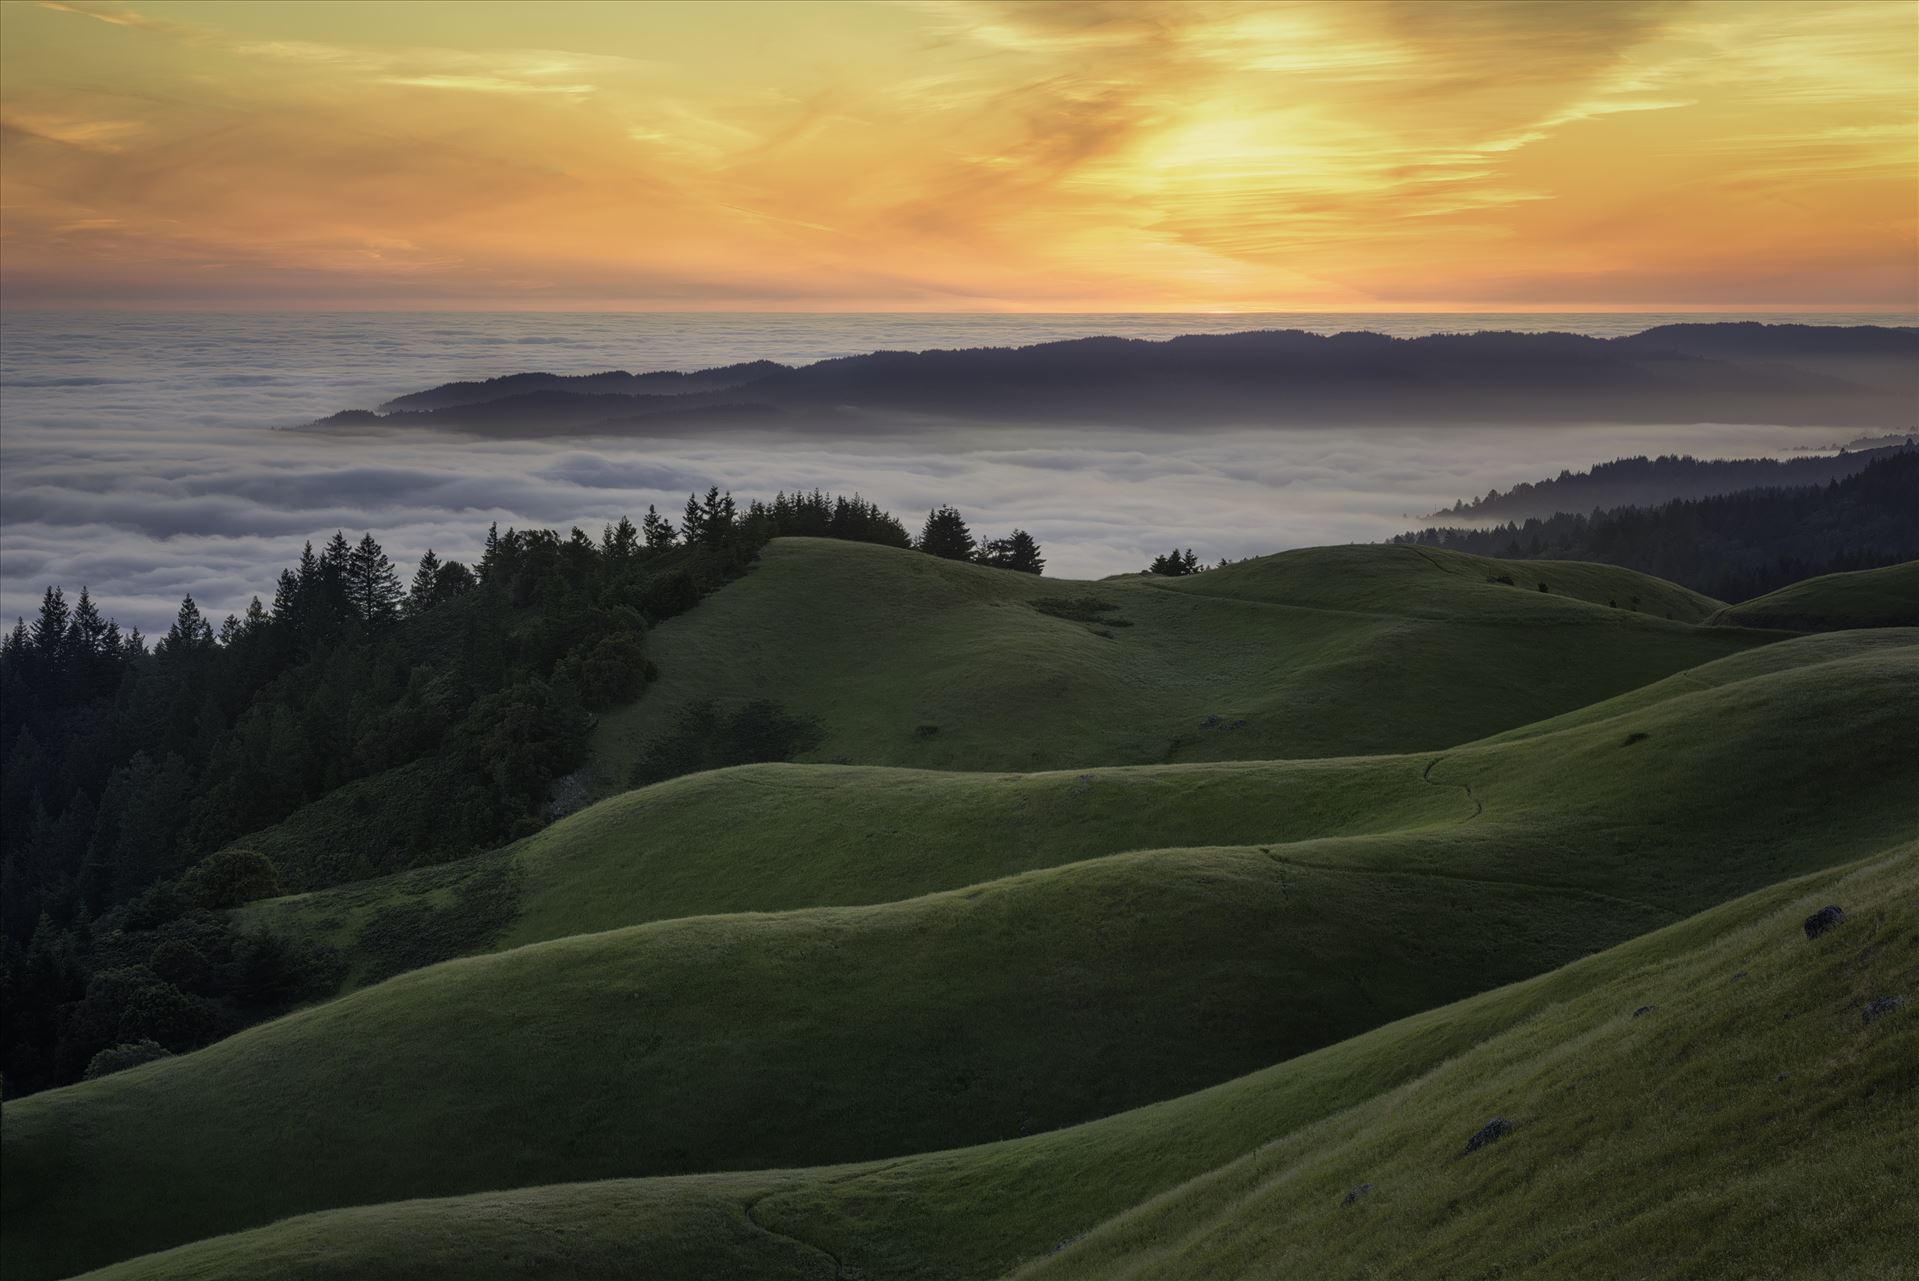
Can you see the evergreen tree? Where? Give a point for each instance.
(190, 634)
(1017, 551)
(423, 594)
(373, 588)
(50, 629)
(946, 535)
(620, 542)
(657, 530)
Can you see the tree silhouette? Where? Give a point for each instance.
(946, 535)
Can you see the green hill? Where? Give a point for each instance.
(906, 659)
(1032, 1002)
(1886, 597)
(777, 837)
(1706, 1100)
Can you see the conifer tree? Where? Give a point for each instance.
(1017, 551)
(657, 530)
(424, 591)
(50, 629)
(620, 542)
(373, 589)
(190, 634)
(946, 535)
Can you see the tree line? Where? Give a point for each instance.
(357, 724)
(1731, 546)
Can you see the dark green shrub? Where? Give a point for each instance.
(118, 1058)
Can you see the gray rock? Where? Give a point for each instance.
(1824, 920)
(1491, 1132)
(1644, 1009)
(1357, 1193)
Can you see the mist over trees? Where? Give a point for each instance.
(1731, 546)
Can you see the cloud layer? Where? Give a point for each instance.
(140, 456)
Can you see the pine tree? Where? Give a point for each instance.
(425, 589)
(693, 522)
(1017, 551)
(657, 530)
(946, 535)
(620, 542)
(190, 634)
(50, 629)
(373, 589)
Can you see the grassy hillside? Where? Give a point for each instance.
(1886, 597)
(905, 659)
(1750, 1122)
(777, 837)
(1017, 1004)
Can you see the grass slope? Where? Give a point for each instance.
(778, 837)
(1752, 1123)
(916, 661)
(1020, 1004)
(1886, 597)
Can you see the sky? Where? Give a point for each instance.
(960, 155)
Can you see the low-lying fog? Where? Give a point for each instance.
(140, 456)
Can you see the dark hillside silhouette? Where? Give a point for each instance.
(1860, 376)
(1640, 481)
(1729, 546)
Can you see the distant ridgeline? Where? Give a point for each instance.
(1748, 372)
(1640, 481)
(1732, 546)
(351, 729)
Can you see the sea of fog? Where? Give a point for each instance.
(145, 456)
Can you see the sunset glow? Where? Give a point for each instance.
(958, 156)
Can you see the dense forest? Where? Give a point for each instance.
(1644, 482)
(1732, 546)
(144, 789)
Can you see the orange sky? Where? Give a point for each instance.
(956, 155)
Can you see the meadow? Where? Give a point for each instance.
(1207, 902)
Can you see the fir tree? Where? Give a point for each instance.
(1017, 551)
(373, 589)
(50, 629)
(190, 634)
(657, 530)
(425, 589)
(620, 542)
(946, 535)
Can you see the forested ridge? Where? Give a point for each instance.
(1642, 481)
(437, 714)
(1730, 546)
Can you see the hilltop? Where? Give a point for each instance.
(1886, 597)
(1337, 651)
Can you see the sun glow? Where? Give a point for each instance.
(951, 156)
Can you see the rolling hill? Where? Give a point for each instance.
(1711, 1095)
(1105, 929)
(985, 1010)
(1887, 597)
(1327, 652)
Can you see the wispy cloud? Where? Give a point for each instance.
(971, 153)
